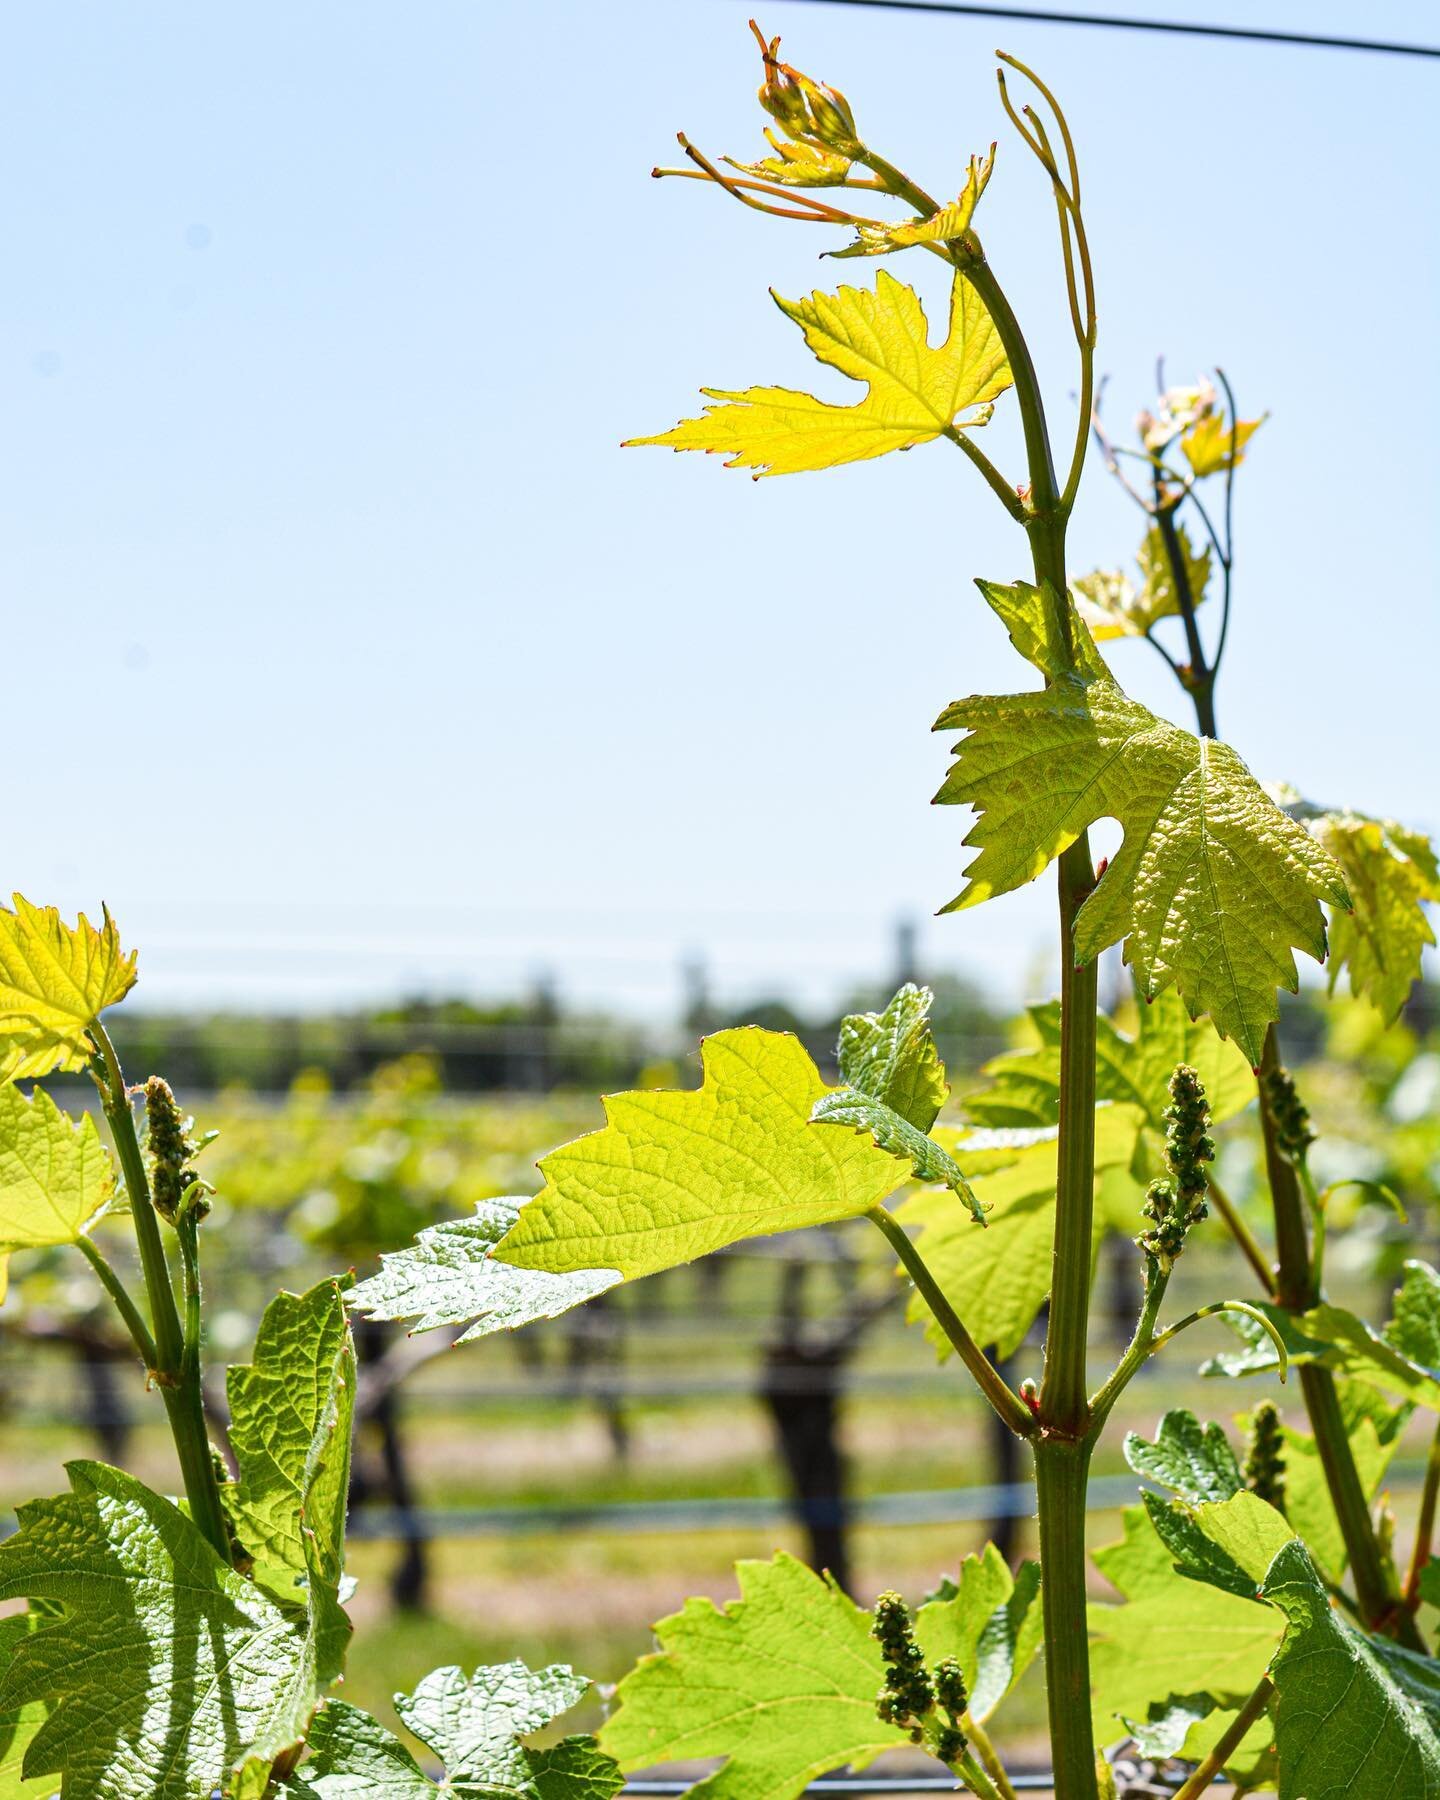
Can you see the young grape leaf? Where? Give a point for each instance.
(475, 1728)
(929, 1161)
(781, 1682)
(1112, 606)
(166, 1668)
(56, 1177)
(1208, 446)
(677, 1174)
(1391, 873)
(915, 393)
(998, 1279)
(891, 1056)
(448, 1277)
(1414, 1327)
(54, 979)
(879, 239)
(1213, 884)
(1130, 1071)
(1172, 1636)
(990, 1621)
(291, 1412)
(1193, 1460)
(1353, 1714)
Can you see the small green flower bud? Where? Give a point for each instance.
(951, 1744)
(950, 1687)
(1290, 1115)
(173, 1182)
(907, 1694)
(805, 110)
(1177, 1202)
(1265, 1456)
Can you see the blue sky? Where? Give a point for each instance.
(347, 653)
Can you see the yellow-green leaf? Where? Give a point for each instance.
(1207, 445)
(882, 338)
(1392, 875)
(54, 979)
(676, 1174)
(1112, 606)
(879, 239)
(56, 1177)
(1213, 883)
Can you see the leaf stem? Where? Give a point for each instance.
(975, 1778)
(124, 1305)
(1243, 1236)
(1008, 497)
(1007, 1403)
(177, 1374)
(1227, 1744)
(1424, 1525)
(988, 1756)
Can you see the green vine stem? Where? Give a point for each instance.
(1294, 1286)
(1424, 1525)
(989, 1759)
(1007, 1403)
(176, 1371)
(1245, 1238)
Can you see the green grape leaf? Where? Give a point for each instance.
(54, 979)
(166, 1667)
(291, 1415)
(1166, 1727)
(677, 1174)
(929, 1161)
(916, 393)
(990, 1621)
(891, 1056)
(875, 238)
(56, 1177)
(1172, 1635)
(1112, 606)
(1193, 1460)
(449, 1277)
(1213, 884)
(781, 1682)
(1257, 1355)
(19, 1724)
(475, 1727)
(998, 1279)
(1392, 874)
(1353, 1714)
(1207, 446)
(1130, 1071)
(1414, 1327)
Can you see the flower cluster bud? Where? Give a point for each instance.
(173, 1181)
(1290, 1115)
(911, 1691)
(1176, 1203)
(808, 111)
(1265, 1457)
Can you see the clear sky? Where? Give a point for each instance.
(346, 653)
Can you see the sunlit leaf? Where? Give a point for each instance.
(949, 222)
(1392, 874)
(677, 1174)
(915, 392)
(1207, 445)
(1113, 606)
(1212, 885)
(54, 979)
(56, 1177)
(448, 1276)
